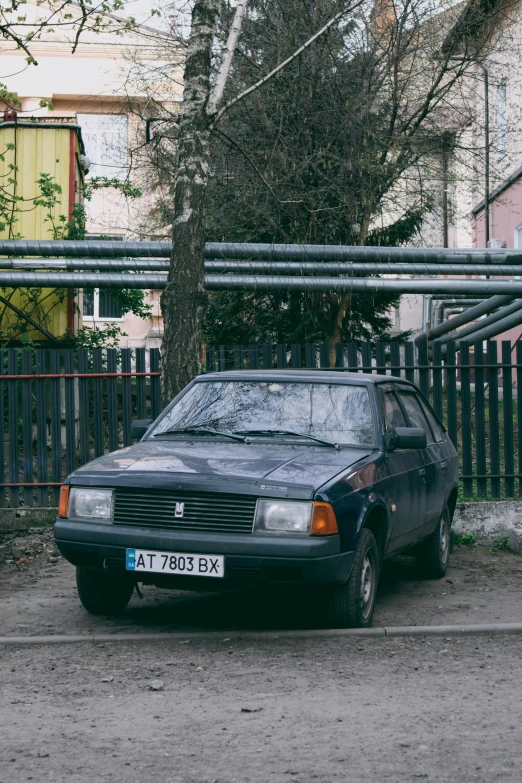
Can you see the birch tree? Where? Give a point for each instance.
(406, 64)
(184, 299)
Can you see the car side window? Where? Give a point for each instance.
(414, 413)
(393, 415)
(435, 426)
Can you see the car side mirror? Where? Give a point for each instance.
(407, 438)
(139, 427)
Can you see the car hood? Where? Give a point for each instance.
(311, 466)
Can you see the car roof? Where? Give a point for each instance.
(321, 375)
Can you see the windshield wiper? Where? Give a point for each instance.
(202, 431)
(288, 432)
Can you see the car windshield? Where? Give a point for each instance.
(336, 412)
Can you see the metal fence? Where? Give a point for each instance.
(62, 408)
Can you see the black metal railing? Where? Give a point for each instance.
(62, 408)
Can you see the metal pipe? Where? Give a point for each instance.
(442, 305)
(454, 311)
(514, 307)
(429, 311)
(269, 252)
(260, 267)
(264, 283)
(471, 315)
(277, 252)
(504, 325)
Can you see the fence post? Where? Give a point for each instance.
(380, 358)
(424, 363)
(56, 423)
(353, 357)
(451, 391)
(480, 421)
(324, 355)
(83, 407)
(141, 395)
(112, 401)
(409, 361)
(126, 397)
(519, 411)
(436, 365)
(12, 419)
(2, 431)
(70, 413)
(465, 424)
(395, 359)
(27, 427)
(494, 445)
(155, 383)
(507, 394)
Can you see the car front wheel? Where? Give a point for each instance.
(432, 556)
(103, 592)
(351, 604)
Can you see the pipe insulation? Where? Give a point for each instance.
(269, 252)
(470, 315)
(263, 283)
(486, 333)
(260, 267)
(514, 307)
(438, 310)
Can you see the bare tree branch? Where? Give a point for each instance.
(217, 93)
(282, 65)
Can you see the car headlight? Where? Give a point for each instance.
(87, 503)
(283, 516)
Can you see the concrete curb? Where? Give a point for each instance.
(494, 629)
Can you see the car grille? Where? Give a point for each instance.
(210, 512)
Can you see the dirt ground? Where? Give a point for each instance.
(38, 597)
(380, 710)
(324, 710)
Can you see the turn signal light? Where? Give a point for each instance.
(324, 522)
(64, 500)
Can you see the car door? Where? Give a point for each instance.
(416, 416)
(439, 491)
(405, 468)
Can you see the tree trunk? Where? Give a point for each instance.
(335, 332)
(184, 300)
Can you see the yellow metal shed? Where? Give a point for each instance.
(29, 148)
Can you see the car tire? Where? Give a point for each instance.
(432, 556)
(103, 592)
(351, 604)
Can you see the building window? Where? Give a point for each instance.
(101, 304)
(502, 119)
(105, 139)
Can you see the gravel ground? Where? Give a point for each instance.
(444, 710)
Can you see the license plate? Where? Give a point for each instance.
(175, 563)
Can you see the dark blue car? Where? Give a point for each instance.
(274, 477)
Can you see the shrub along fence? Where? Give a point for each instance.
(62, 408)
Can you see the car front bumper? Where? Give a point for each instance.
(248, 558)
